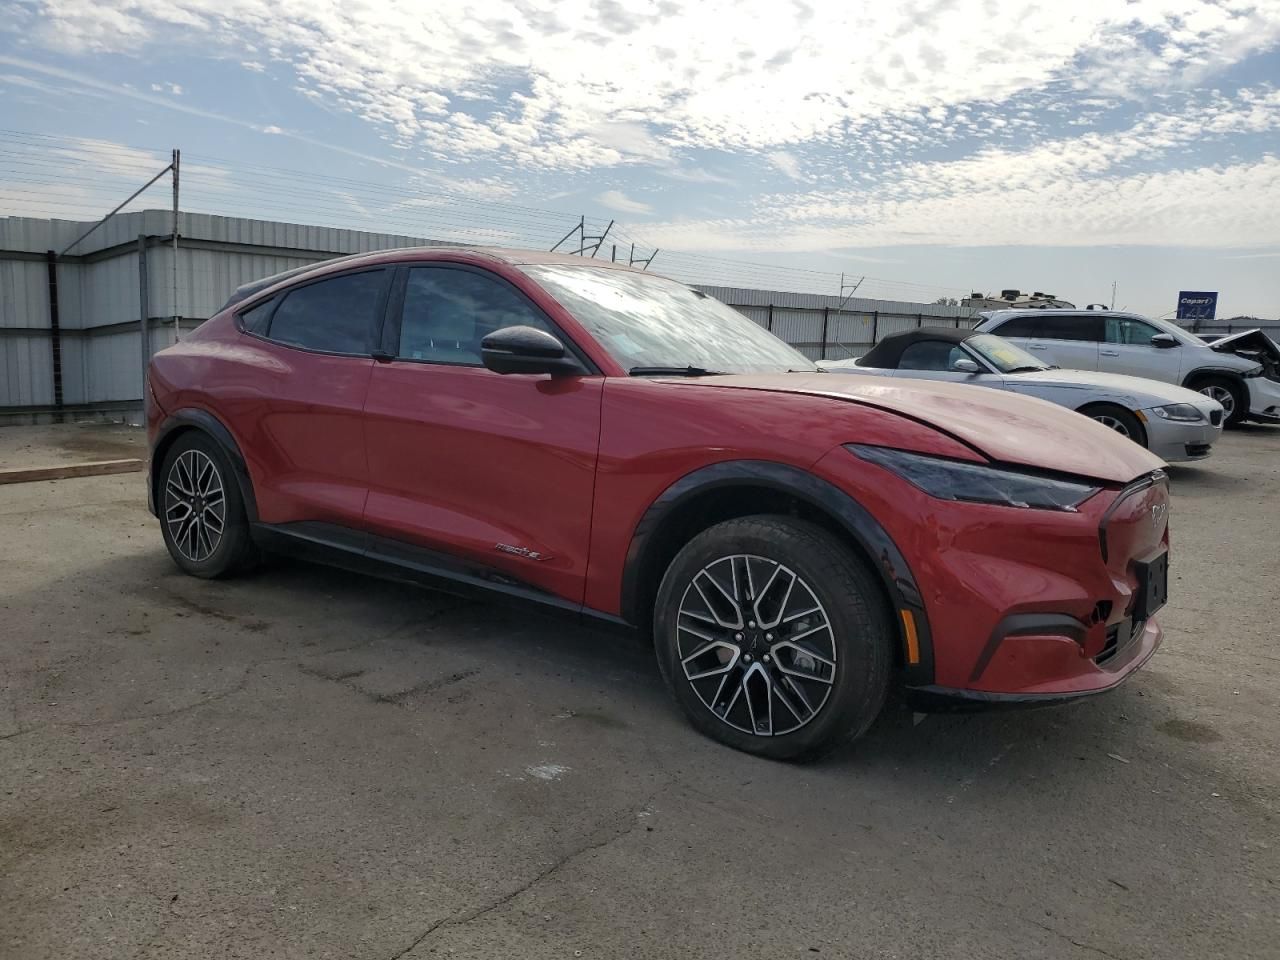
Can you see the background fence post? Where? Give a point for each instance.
(826, 315)
(144, 311)
(875, 327)
(55, 335)
(768, 324)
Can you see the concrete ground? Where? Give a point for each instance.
(309, 764)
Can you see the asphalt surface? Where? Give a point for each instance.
(309, 764)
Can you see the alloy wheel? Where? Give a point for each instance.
(756, 645)
(1114, 424)
(1224, 397)
(195, 505)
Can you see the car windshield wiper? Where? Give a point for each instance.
(674, 372)
(1027, 368)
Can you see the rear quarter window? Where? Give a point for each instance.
(255, 319)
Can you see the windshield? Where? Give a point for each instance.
(1003, 355)
(649, 321)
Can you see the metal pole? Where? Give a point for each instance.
(144, 309)
(769, 323)
(55, 334)
(826, 314)
(177, 157)
(116, 210)
(613, 258)
(564, 238)
(875, 327)
(596, 248)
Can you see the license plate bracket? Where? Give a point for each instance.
(1153, 585)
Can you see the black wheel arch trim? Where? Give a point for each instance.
(211, 426)
(1235, 376)
(854, 519)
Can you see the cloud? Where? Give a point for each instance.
(787, 163)
(1124, 187)
(575, 85)
(617, 200)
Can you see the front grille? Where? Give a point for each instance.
(1215, 417)
(1197, 449)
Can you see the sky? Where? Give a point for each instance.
(932, 147)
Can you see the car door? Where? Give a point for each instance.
(476, 471)
(299, 411)
(934, 360)
(1127, 348)
(1069, 340)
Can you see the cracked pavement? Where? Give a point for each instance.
(306, 763)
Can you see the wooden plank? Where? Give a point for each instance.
(97, 468)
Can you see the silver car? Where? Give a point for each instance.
(1174, 423)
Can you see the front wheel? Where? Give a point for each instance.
(1118, 419)
(1234, 406)
(774, 637)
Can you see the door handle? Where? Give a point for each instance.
(1108, 353)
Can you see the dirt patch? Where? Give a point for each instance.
(1189, 731)
(107, 442)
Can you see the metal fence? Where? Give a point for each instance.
(71, 326)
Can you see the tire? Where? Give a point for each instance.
(837, 659)
(1235, 406)
(197, 475)
(1118, 419)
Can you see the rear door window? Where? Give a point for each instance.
(336, 315)
(1017, 327)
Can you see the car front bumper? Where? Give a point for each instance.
(1175, 441)
(1264, 399)
(1024, 606)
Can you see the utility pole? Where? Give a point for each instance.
(1113, 294)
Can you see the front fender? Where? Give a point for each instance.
(204, 421)
(853, 519)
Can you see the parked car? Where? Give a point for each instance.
(599, 440)
(1240, 371)
(1174, 423)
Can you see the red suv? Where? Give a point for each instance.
(608, 442)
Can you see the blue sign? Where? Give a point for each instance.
(1197, 304)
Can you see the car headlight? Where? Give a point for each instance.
(1178, 411)
(977, 483)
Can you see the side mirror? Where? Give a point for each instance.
(1164, 340)
(965, 365)
(527, 350)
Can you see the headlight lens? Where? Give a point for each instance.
(1178, 411)
(976, 483)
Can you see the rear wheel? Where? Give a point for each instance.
(202, 513)
(1118, 419)
(1227, 393)
(774, 637)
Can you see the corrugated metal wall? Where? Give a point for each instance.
(98, 291)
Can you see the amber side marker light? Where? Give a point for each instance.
(913, 641)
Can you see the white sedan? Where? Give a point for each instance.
(1172, 422)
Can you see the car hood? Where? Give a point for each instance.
(1254, 341)
(1145, 392)
(1018, 430)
